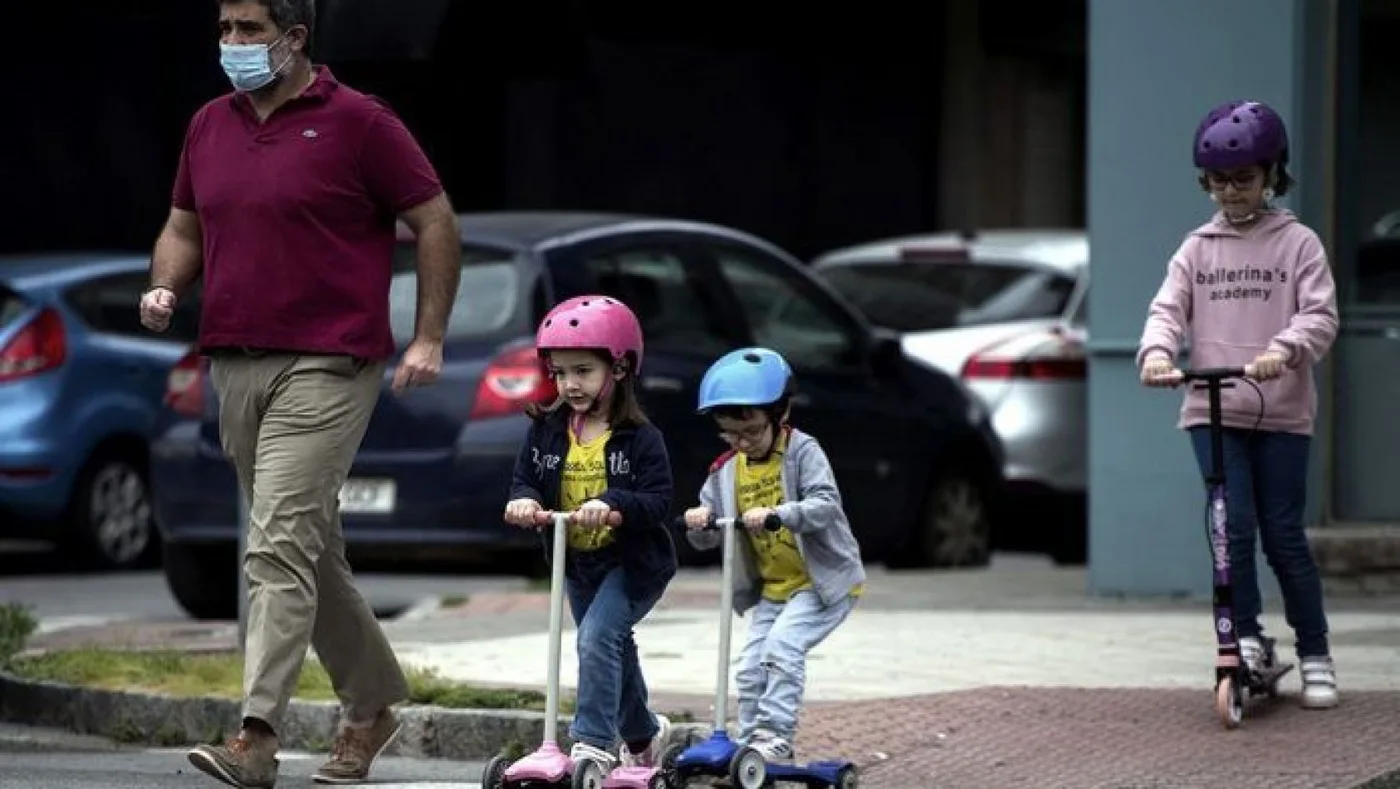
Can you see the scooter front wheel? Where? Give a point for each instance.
(747, 770)
(587, 775)
(1229, 702)
(846, 779)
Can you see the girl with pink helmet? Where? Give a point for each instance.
(1252, 286)
(594, 451)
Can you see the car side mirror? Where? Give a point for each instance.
(886, 353)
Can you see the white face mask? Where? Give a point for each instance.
(249, 66)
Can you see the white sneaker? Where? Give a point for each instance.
(1319, 682)
(652, 755)
(1252, 653)
(583, 751)
(771, 747)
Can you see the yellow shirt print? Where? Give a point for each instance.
(780, 564)
(585, 478)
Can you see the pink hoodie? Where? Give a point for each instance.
(1239, 293)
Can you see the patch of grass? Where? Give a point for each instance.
(17, 624)
(454, 600)
(186, 674)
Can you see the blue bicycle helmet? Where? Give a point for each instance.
(753, 377)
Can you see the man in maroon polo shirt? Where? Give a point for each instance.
(285, 201)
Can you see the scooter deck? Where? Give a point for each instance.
(1269, 677)
(824, 772)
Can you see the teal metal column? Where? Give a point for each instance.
(1154, 69)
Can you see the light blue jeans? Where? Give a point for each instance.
(773, 666)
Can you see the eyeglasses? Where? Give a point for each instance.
(1244, 179)
(749, 434)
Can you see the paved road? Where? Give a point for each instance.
(35, 758)
(61, 597)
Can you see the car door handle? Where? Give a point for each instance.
(656, 383)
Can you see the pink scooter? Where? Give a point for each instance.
(549, 766)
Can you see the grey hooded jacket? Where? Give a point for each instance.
(811, 510)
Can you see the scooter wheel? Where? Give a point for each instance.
(587, 775)
(494, 776)
(669, 772)
(747, 770)
(846, 778)
(1229, 704)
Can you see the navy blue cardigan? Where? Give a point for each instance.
(639, 487)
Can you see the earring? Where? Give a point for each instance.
(1268, 193)
(1214, 198)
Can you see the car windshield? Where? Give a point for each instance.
(916, 296)
(486, 298)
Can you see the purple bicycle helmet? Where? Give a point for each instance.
(1240, 134)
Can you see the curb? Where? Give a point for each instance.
(168, 721)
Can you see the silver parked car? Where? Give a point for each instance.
(1006, 310)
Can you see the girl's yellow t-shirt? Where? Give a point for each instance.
(585, 478)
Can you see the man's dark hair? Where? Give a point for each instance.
(286, 14)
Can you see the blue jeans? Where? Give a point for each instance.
(773, 666)
(1266, 478)
(612, 695)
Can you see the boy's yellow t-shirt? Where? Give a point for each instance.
(585, 478)
(780, 564)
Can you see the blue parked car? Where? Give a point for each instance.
(80, 394)
(917, 459)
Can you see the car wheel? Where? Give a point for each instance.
(956, 523)
(203, 579)
(112, 518)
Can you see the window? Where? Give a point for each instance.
(487, 296)
(654, 282)
(109, 305)
(785, 316)
(11, 307)
(908, 297)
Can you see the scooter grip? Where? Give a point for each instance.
(771, 523)
(544, 517)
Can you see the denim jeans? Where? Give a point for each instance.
(1266, 478)
(612, 695)
(773, 666)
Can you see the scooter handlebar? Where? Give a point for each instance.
(1209, 374)
(771, 523)
(545, 517)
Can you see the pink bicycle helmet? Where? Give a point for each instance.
(589, 322)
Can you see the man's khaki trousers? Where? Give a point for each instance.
(291, 425)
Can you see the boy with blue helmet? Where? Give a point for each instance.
(802, 580)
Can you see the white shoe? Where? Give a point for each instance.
(771, 747)
(652, 755)
(1252, 653)
(582, 751)
(1319, 682)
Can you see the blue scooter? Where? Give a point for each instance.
(721, 756)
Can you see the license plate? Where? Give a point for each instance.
(374, 496)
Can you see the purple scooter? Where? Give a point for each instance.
(550, 766)
(1233, 678)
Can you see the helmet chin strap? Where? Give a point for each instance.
(576, 420)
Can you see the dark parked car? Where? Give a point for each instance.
(80, 394)
(916, 456)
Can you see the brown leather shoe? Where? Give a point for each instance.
(356, 748)
(248, 760)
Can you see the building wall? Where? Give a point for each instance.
(1154, 69)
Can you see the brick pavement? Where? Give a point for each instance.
(1002, 738)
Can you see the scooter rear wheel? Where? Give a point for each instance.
(1229, 702)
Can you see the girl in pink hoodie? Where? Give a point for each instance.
(1253, 287)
